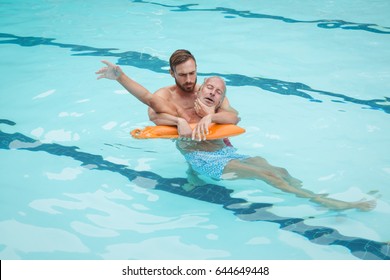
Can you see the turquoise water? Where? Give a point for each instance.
(310, 81)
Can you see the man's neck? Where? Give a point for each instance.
(184, 94)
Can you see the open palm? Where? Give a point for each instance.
(111, 71)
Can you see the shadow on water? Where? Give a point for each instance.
(153, 63)
(212, 193)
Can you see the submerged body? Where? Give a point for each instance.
(208, 158)
(217, 160)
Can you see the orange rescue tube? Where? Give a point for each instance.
(216, 131)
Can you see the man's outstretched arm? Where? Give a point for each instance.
(114, 72)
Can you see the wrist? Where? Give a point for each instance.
(118, 73)
(179, 120)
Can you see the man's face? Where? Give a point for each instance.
(212, 92)
(185, 75)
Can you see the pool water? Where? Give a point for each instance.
(310, 81)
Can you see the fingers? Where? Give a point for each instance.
(199, 109)
(206, 129)
(200, 132)
(102, 72)
(108, 63)
(196, 106)
(194, 135)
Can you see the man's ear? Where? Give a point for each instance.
(172, 73)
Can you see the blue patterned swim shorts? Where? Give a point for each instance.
(212, 164)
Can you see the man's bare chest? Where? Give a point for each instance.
(186, 105)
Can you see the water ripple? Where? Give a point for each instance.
(321, 23)
(155, 64)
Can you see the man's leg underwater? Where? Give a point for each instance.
(280, 171)
(258, 168)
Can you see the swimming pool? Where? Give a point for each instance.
(310, 82)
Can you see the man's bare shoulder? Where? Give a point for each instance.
(166, 92)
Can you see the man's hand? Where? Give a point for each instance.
(183, 128)
(203, 110)
(112, 71)
(201, 130)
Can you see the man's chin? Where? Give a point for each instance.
(189, 88)
(207, 102)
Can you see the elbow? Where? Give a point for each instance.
(227, 117)
(154, 119)
(157, 122)
(235, 121)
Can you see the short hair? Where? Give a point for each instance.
(178, 57)
(214, 77)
